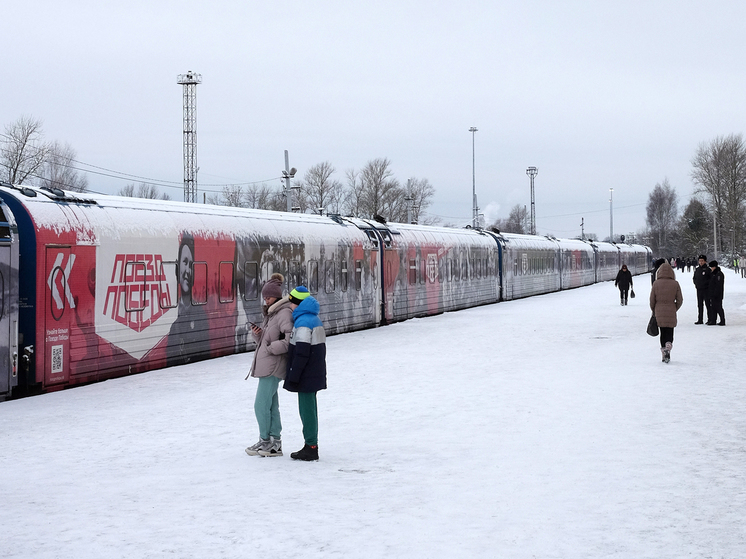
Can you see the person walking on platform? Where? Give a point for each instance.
(665, 301)
(269, 366)
(656, 265)
(624, 282)
(306, 369)
(701, 281)
(715, 294)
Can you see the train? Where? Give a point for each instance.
(95, 287)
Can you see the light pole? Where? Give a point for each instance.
(532, 172)
(474, 215)
(611, 215)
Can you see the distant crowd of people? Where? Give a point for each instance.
(666, 298)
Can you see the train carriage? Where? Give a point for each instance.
(96, 287)
(608, 261)
(530, 265)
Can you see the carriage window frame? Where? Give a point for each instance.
(222, 265)
(199, 271)
(358, 275)
(251, 271)
(412, 271)
(343, 275)
(330, 276)
(313, 276)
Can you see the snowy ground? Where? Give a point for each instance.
(546, 427)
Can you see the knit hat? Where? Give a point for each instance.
(298, 294)
(714, 264)
(702, 257)
(273, 287)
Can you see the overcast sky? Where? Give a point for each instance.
(596, 94)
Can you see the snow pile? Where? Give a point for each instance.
(544, 427)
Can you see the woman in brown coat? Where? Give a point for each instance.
(665, 300)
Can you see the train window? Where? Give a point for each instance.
(225, 290)
(294, 275)
(358, 275)
(199, 283)
(373, 237)
(441, 270)
(313, 276)
(135, 288)
(464, 267)
(168, 285)
(2, 294)
(331, 276)
(423, 269)
(412, 271)
(251, 281)
(343, 277)
(386, 238)
(268, 268)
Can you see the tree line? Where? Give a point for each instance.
(714, 219)
(27, 158)
(368, 192)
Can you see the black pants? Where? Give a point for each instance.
(715, 310)
(666, 335)
(701, 302)
(623, 294)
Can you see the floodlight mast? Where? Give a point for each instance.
(190, 81)
(532, 172)
(475, 209)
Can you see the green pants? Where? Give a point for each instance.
(267, 408)
(309, 416)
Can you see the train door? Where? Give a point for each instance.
(57, 315)
(8, 316)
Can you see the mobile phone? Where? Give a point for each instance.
(253, 325)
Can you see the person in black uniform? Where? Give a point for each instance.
(715, 294)
(701, 281)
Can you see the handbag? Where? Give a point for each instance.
(632, 294)
(652, 326)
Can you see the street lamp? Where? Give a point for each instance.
(532, 172)
(611, 215)
(474, 211)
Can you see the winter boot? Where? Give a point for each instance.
(667, 352)
(307, 453)
(254, 449)
(274, 448)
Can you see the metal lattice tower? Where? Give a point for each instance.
(190, 81)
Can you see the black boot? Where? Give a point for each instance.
(307, 453)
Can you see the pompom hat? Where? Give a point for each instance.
(273, 287)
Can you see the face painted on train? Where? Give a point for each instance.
(186, 262)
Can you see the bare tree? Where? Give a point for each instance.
(320, 190)
(662, 213)
(353, 195)
(421, 193)
(516, 222)
(58, 170)
(144, 190)
(232, 195)
(22, 150)
(382, 194)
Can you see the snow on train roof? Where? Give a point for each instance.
(117, 216)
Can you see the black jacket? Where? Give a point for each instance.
(623, 279)
(715, 287)
(701, 277)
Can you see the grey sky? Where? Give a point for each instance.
(595, 94)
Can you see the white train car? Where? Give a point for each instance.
(530, 265)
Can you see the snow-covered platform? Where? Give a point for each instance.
(545, 427)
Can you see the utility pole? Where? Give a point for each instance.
(288, 174)
(475, 210)
(190, 81)
(532, 172)
(582, 228)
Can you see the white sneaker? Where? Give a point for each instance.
(274, 448)
(254, 450)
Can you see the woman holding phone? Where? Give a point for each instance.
(270, 361)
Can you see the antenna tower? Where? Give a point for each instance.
(190, 81)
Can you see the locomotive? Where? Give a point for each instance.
(95, 287)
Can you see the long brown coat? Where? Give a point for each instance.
(665, 297)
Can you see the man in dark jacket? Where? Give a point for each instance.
(715, 295)
(701, 281)
(306, 368)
